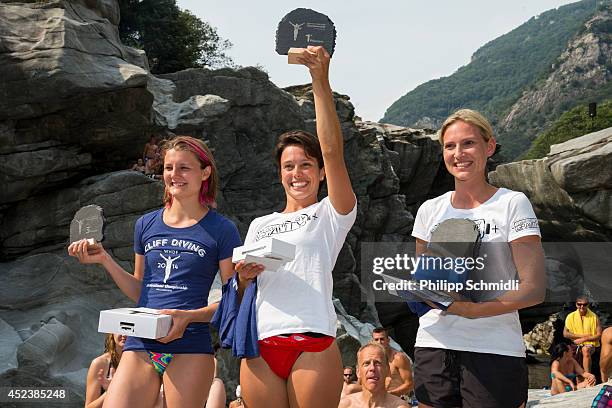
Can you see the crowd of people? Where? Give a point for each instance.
(466, 354)
(572, 358)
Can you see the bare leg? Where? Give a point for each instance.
(557, 387)
(314, 380)
(187, 380)
(586, 358)
(260, 387)
(216, 396)
(135, 384)
(605, 360)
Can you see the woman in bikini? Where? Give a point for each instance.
(299, 359)
(564, 371)
(178, 250)
(102, 369)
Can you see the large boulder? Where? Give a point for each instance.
(571, 188)
(66, 76)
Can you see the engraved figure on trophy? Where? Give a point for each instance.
(296, 30)
(303, 27)
(88, 223)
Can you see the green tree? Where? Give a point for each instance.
(173, 39)
(573, 123)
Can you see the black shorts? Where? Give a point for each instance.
(449, 378)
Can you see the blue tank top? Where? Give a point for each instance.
(180, 266)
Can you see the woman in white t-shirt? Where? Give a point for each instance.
(473, 353)
(296, 323)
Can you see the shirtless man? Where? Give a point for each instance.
(372, 369)
(399, 382)
(349, 386)
(151, 149)
(605, 360)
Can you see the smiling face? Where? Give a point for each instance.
(300, 176)
(183, 174)
(372, 368)
(465, 151)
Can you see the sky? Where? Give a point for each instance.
(384, 48)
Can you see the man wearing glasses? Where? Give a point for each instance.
(349, 386)
(584, 329)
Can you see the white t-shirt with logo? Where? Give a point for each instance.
(506, 216)
(298, 297)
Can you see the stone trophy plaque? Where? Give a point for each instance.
(301, 28)
(88, 223)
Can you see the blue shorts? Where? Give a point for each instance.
(195, 340)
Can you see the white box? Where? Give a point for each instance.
(272, 253)
(136, 321)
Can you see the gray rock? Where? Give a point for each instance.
(578, 398)
(570, 188)
(9, 341)
(44, 65)
(26, 228)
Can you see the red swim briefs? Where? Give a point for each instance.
(281, 352)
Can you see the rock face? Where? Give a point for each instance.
(581, 74)
(79, 105)
(585, 64)
(66, 76)
(570, 188)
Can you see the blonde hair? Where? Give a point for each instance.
(208, 189)
(376, 346)
(472, 117)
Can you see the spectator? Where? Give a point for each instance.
(399, 381)
(101, 370)
(583, 328)
(372, 369)
(349, 386)
(151, 149)
(564, 371)
(139, 166)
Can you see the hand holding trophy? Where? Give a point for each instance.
(86, 232)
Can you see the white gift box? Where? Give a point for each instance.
(137, 322)
(272, 253)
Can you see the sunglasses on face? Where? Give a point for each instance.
(347, 375)
(582, 304)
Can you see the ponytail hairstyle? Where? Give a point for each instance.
(208, 190)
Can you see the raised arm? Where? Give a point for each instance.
(329, 133)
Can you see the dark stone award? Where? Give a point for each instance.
(301, 28)
(88, 223)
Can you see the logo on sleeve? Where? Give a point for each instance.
(291, 225)
(525, 223)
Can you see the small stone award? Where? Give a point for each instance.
(88, 223)
(301, 28)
